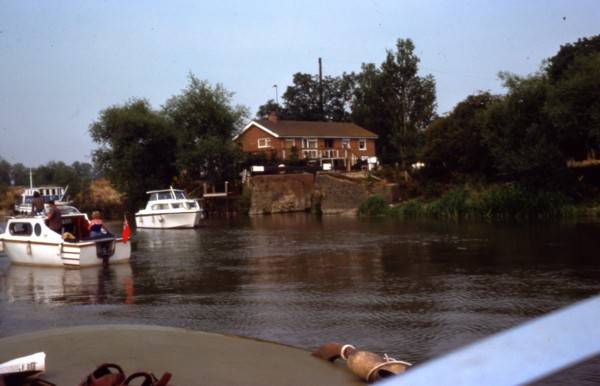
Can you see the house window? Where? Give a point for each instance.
(310, 154)
(309, 143)
(362, 144)
(290, 143)
(345, 143)
(264, 142)
(329, 143)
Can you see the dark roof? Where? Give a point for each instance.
(315, 129)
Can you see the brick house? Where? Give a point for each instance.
(339, 143)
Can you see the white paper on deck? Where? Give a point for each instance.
(34, 362)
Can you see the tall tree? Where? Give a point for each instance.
(270, 107)
(574, 97)
(302, 102)
(204, 121)
(396, 103)
(4, 174)
(57, 173)
(454, 143)
(522, 138)
(137, 149)
(19, 174)
(559, 63)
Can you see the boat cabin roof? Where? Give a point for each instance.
(43, 190)
(164, 190)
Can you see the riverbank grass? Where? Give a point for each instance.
(495, 202)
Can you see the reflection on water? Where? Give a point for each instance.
(414, 290)
(95, 285)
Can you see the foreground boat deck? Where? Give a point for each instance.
(194, 358)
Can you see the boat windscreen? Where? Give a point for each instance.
(164, 195)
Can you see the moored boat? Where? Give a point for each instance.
(48, 193)
(29, 241)
(169, 208)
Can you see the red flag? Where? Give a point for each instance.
(126, 231)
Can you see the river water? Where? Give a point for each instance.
(414, 290)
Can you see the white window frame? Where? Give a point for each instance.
(306, 143)
(266, 142)
(311, 153)
(362, 144)
(346, 143)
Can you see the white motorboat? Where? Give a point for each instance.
(29, 241)
(169, 208)
(48, 193)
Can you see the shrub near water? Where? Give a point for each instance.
(375, 205)
(451, 205)
(515, 202)
(499, 202)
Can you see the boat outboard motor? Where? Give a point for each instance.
(105, 249)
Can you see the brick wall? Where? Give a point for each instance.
(249, 142)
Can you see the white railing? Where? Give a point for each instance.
(517, 356)
(317, 154)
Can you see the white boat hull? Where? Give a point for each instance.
(64, 254)
(168, 220)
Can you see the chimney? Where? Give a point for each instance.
(273, 117)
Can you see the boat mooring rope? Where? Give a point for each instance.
(343, 350)
(387, 361)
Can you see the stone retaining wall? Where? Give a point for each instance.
(329, 193)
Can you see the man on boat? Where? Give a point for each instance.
(54, 218)
(37, 204)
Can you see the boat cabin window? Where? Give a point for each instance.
(191, 205)
(176, 206)
(65, 209)
(179, 195)
(164, 195)
(20, 229)
(38, 229)
(153, 197)
(160, 206)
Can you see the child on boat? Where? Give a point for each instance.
(96, 226)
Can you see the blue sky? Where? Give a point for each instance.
(62, 62)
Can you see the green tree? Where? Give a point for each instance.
(137, 149)
(522, 138)
(19, 174)
(560, 63)
(4, 174)
(573, 105)
(396, 103)
(302, 100)
(204, 121)
(454, 143)
(270, 107)
(57, 173)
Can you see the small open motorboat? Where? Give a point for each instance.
(28, 240)
(169, 208)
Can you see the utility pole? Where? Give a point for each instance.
(276, 94)
(321, 89)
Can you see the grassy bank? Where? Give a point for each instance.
(494, 202)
